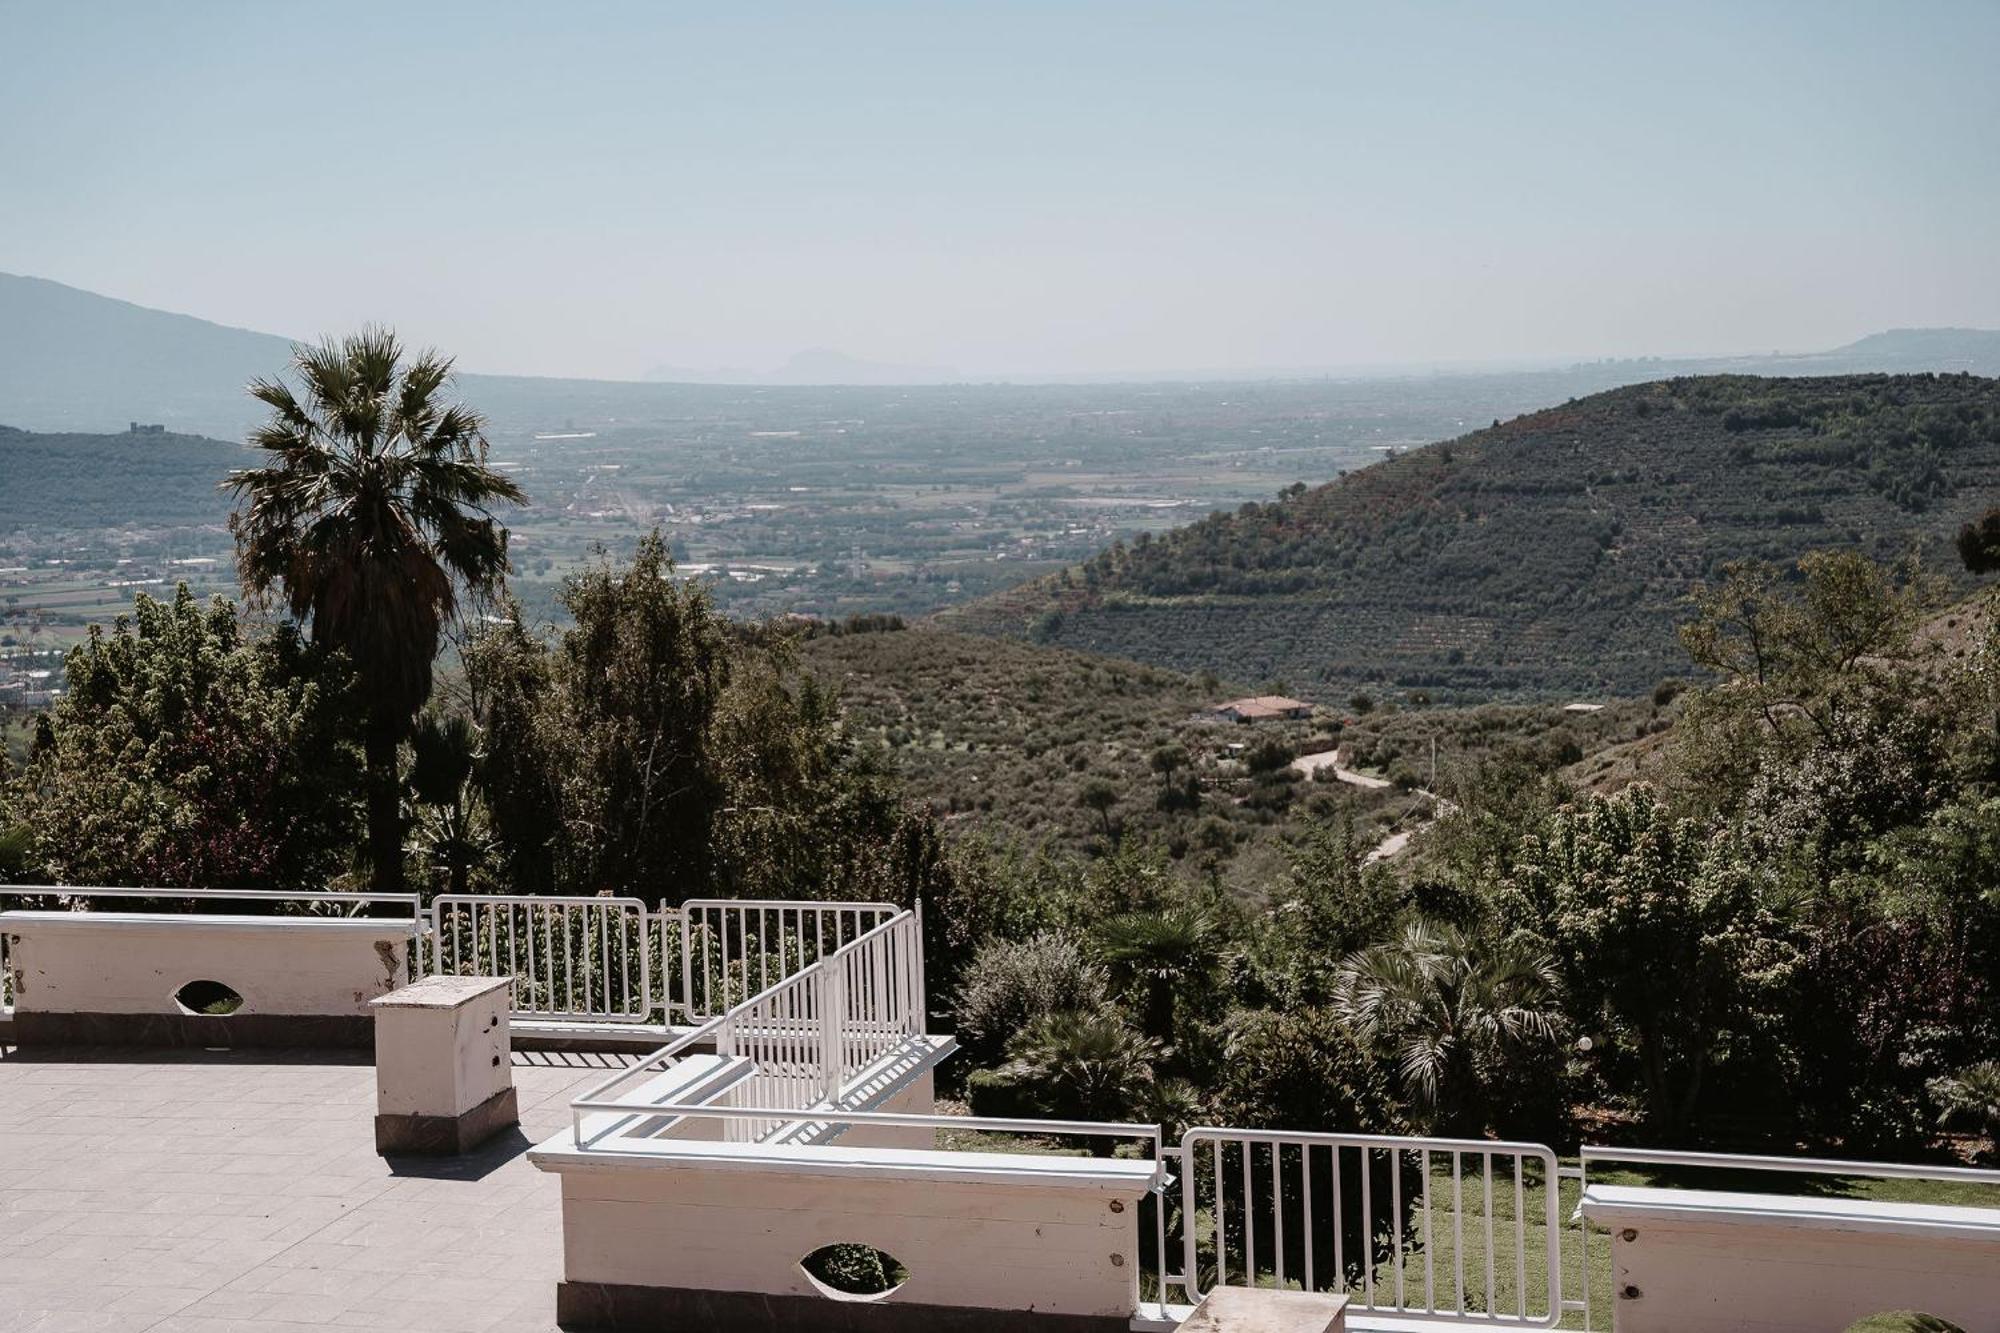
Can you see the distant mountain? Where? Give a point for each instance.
(133, 479)
(1976, 351)
(1550, 555)
(73, 360)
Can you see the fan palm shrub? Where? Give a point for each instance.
(1452, 1008)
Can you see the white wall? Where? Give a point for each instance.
(132, 963)
(1709, 1262)
(1062, 1239)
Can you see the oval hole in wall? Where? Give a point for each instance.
(207, 997)
(849, 1271)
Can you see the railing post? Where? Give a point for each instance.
(832, 1019)
(922, 1000)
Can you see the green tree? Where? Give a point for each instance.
(372, 511)
(1804, 659)
(602, 753)
(1170, 956)
(1656, 931)
(1455, 1009)
(187, 753)
(1101, 796)
(444, 751)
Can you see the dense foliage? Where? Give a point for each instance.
(1789, 938)
(191, 751)
(653, 748)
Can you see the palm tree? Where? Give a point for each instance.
(371, 511)
(1451, 1005)
(1077, 1066)
(1170, 955)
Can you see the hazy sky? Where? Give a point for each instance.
(595, 189)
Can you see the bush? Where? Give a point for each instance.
(1011, 983)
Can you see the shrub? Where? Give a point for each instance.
(1011, 983)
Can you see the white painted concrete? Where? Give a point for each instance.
(978, 1230)
(133, 962)
(442, 1046)
(1700, 1261)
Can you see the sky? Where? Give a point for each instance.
(1015, 189)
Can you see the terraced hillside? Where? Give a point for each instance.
(1546, 556)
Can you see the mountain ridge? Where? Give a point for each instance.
(76, 360)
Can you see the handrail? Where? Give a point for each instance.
(413, 901)
(708, 1031)
(1815, 1166)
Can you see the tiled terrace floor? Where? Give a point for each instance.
(188, 1191)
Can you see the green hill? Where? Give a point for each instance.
(1546, 556)
(139, 479)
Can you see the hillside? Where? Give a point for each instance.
(72, 359)
(126, 480)
(1002, 739)
(1546, 556)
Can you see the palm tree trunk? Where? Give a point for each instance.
(385, 812)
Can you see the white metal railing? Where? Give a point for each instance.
(1735, 1163)
(731, 949)
(805, 1040)
(70, 897)
(600, 959)
(574, 959)
(1459, 1229)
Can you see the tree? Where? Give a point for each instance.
(444, 751)
(1327, 906)
(604, 744)
(372, 511)
(1804, 659)
(1101, 796)
(1168, 760)
(656, 748)
(1455, 1008)
(188, 754)
(1170, 956)
(1657, 931)
(1978, 543)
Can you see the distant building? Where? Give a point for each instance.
(1263, 708)
(139, 428)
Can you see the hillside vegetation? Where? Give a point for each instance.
(1004, 740)
(1547, 555)
(126, 479)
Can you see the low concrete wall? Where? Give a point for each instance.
(698, 1235)
(109, 978)
(1698, 1261)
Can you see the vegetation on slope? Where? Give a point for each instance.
(129, 479)
(1009, 740)
(1547, 555)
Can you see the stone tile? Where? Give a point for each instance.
(224, 1192)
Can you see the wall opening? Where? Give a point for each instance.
(207, 997)
(849, 1271)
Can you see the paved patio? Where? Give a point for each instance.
(204, 1192)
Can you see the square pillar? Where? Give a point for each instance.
(444, 1080)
